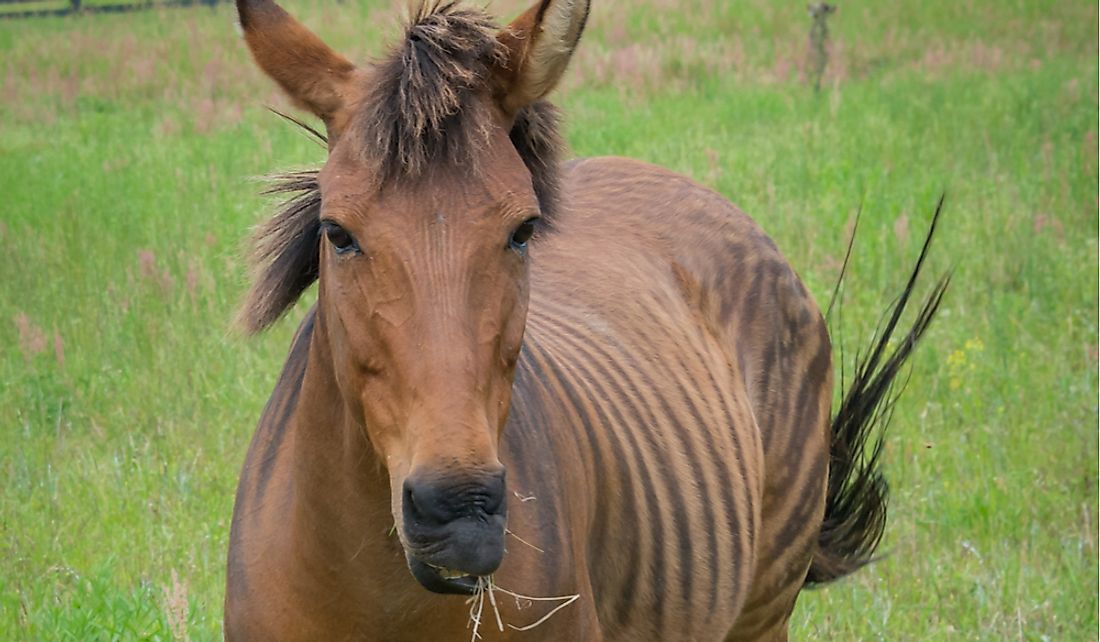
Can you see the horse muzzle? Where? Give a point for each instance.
(453, 530)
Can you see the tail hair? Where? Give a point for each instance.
(857, 494)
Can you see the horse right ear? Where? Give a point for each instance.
(314, 76)
(539, 45)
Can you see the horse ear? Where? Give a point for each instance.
(539, 44)
(314, 76)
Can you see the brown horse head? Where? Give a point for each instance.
(441, 167)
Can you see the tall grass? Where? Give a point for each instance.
(128, 145)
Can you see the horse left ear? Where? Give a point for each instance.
(539, 44)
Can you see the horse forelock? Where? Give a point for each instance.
(423, 110)
(422, 107)
(425, 107)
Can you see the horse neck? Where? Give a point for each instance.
(341, 489)
(341, 562)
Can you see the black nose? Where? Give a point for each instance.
(454, 523)
(433, 502)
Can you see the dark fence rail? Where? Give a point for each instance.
(68, 7)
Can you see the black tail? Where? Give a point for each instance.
(855, 504)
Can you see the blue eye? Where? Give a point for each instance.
(522, 235)
(340, 239)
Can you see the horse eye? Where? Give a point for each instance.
(522, 234)
(341, 240)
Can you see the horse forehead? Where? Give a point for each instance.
(446, 197)
(489, 170)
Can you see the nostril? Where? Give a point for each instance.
(409, 499)
(426, 503)
(494, 494)
(423, 505)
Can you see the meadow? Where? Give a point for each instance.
(130, 151)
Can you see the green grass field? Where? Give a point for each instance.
(129, 148)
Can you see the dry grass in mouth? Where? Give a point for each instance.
(523, 541)
(487, 586)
